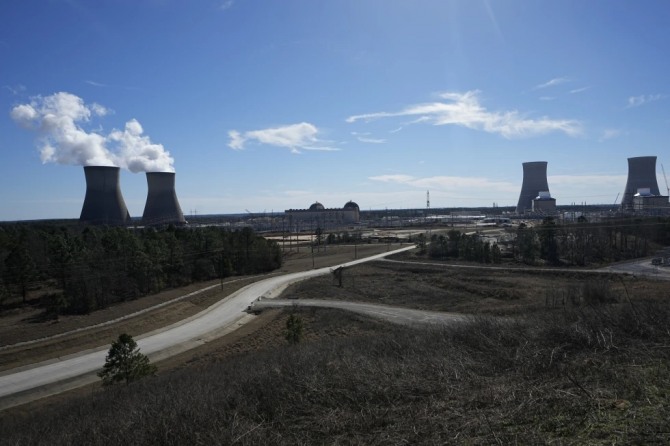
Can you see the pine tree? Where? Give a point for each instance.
(293, 329)
(124, 362)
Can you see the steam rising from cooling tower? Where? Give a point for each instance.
(162, 206)
(103, 203)
(61, 121)
(534, 182)
(641, 175)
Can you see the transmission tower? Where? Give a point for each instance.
(427, 199)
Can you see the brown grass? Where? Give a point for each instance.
(592, 368)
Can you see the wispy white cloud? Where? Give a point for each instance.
(449, 183)
(579, 90)
(547, 98)
(396, 130)
(95, 84)
(15, 89)
(468, 191)
(636, 101)
(295, 137)
(587, 181)
(609, 134)
(371, 140)
(103, 85)
(365, 137)
(227, 4)
(464, 109)
(552, 83)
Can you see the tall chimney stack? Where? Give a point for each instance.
(641, 174)
(534, 182)
(103, 204)
(162, 206)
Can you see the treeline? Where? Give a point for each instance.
(81, 269)
(579, 244)
(463, 246)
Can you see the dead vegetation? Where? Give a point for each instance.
(583, 375)
(584, 361)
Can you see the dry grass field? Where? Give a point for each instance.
(576, 360)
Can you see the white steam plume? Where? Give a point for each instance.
(59, 119)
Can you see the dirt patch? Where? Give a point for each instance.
(472, 291)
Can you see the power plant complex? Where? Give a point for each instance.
(640, 195)
(104, 205)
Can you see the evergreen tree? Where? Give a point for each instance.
(294, 329)
(124, 362)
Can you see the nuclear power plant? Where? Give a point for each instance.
(534, 186)
(103, 204)
(641, 176)
(162, 206)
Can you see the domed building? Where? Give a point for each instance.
(318, 216)
(316, 207)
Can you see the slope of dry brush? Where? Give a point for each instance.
(593, 374)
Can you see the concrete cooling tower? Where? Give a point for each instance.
(162, 207)
(641, 175)
(103, 204)
(534, 182)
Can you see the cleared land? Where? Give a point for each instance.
(587, 362)
(26, 324)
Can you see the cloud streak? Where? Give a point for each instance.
(637, 101)
(60, 120)
(365, 137)
(465, 110)
(295, 137)
(552, 83)
(450, 183)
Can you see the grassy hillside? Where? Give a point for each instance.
(596, 374)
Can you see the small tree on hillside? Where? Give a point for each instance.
(124, 362)
(294, 329)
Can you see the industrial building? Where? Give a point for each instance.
(641, 176)
(162, 206)
(534, 182)
(103, 203)
(544, 203)
(648, 203)
(317, 216)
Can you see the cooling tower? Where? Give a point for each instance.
(641, 174)
(162, 206)
(103, 204)
(534, 181)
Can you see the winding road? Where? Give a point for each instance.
(29, 383)
(25, 384)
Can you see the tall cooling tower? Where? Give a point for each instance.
(641, 174)
(103, 204)
(162, 206)
(534, 181)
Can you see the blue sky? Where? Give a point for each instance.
(270, 105)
